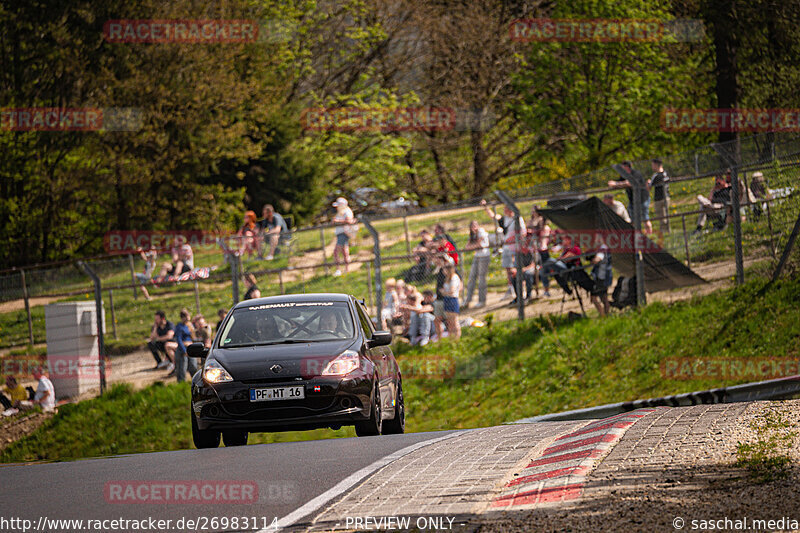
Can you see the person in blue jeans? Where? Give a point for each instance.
(184, 337)
(421, 321)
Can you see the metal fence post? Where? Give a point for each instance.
(27, 304)
(686, 242)
(197, 296)
(377, 278)
(405, 228)
(133, 277)
(729, 154)
(641, 297)
(517, 255)
(324, 253)
(98, 298)
(113, 313)
(235, 277)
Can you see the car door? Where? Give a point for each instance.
(381, 357)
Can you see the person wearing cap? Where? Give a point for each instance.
(636, 179)
(343, 221)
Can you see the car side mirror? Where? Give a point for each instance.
(381, 338)
(197, 349)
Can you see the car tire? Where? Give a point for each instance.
(203, 438)
(374, 425)
(234, 437)
(397, 425)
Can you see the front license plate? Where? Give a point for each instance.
(277, 393)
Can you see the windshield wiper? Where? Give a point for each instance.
(268, 343)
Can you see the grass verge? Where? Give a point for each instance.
(498, 373)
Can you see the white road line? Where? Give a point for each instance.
(347, 483)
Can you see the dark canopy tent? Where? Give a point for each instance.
(661, 270)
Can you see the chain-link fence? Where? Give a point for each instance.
(697, 226)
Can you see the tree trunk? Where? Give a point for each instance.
(722, 15)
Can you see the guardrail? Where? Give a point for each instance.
(772, 389)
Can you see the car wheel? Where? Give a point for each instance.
(234, 437)
(374, 425)
(203, 438)
(397, 425)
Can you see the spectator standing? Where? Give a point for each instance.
(344, 221)
(510, 227)
(440, 235)
(184, 337)
(478, 241)
(618, 207)
(162, 341)
(636, 180)
(202, 331)
(451, 290)
(45, 392)
(252, 288)
(603, 277)
(150, 258)
(248, 234)
(221, 313)
(659, 183)
(273, 229)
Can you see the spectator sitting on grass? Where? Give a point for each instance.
(420, 310)
(273, 229)
(16, 394)
(45, 396)
(618, 207)
(202, 330)
(150, 258)
(161, 341)
(252, 289)
(603, 277)
(390, 303)
(714, 204)
(248, 234)
(182, 261)
(406, 296)
(184, 333)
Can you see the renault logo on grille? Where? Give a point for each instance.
(276, 368)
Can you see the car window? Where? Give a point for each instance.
(366, 323)
(287, 322)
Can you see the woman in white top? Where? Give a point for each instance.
(343, 221)
(451, 289)
(479, 241)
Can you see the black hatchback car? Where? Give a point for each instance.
(295, 362)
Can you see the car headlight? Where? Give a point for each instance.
(343, 364)
(214, 373)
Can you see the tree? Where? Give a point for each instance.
(604, 99)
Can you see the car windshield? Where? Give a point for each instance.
(286, 323)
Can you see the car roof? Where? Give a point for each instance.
(284, 298)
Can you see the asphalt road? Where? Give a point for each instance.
(287, 475)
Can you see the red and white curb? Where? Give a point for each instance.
(559, 474)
